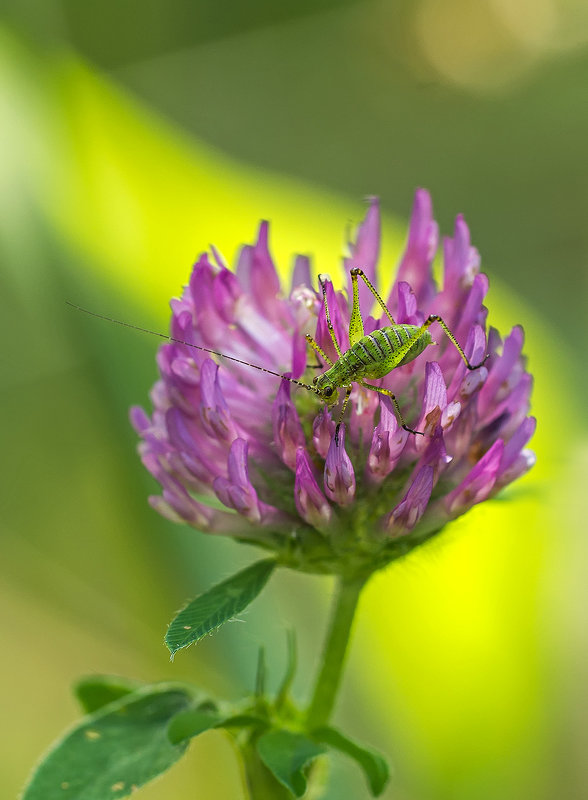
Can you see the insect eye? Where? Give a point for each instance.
(328, 391)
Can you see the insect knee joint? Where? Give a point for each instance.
(356, 271)
(481, 364)
(410, 430)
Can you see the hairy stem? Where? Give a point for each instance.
(334, 652)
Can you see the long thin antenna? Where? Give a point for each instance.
(189, 344)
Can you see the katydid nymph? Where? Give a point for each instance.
(369, 357)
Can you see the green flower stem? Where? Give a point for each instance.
(259, 782)
(335, 649)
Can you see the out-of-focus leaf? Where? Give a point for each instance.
(290, 673)
(375, 767)
(190, 723)
(114, 751)
(195, 721)
(285, 754)
(96, 691)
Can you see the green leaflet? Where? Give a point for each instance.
(190, 723)
(374, 766)
(285, 754)
(187, 724)
(113, 751)
(218, 605)
(97, 691)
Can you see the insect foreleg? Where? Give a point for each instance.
(392, 397)
(342, 412)
(328, 316)
(318, 349)
(435, 318)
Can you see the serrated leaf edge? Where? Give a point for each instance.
(271, 565)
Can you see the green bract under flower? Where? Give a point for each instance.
(241, 452)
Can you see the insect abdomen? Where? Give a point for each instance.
(386, 348)
(378, 353)
(401, 335)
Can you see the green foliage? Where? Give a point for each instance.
(113, 751)
(97, 691)
(190, 723)
(218, 605)
(261, 673)
(375, 767)
(286, 754)
(291, 664)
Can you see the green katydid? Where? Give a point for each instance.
(369, 357)
(375, 355)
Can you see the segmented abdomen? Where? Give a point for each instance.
(377, 353)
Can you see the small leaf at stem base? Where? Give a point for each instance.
(285, 754)
(374, 766)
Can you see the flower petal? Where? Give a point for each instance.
(505, 371)
(237, 491)
(461, 261)
(471, 311)
(407, 313)
(388, 442)
(515, 444)
(288, 433)
(214, 411)
(478, 484)
(412, 507)
(435, 454)
(466, 382)
(265, 283)
(434, 406)
(339, 477)
(311, 503)
(139, 419)
(364, 253)
(323, 429)
(423, 238)
(301, 272)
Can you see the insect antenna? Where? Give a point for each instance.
(189, 344)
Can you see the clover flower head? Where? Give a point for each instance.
(240, 451)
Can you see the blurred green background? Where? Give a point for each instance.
(132, 135)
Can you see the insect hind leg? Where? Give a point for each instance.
(392, 396)
(359, 273)
(436, 318)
